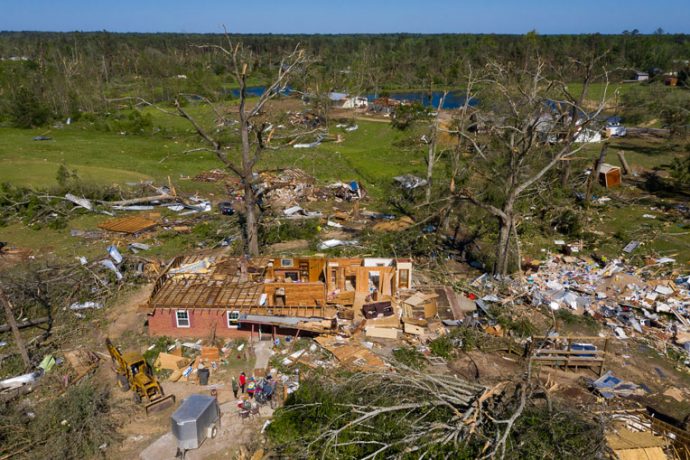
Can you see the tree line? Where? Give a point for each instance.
(57, 75)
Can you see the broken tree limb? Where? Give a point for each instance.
(146, 199)
(15, 330)
(595, 172)
(25, 324)
(83, 202)
(624, 163)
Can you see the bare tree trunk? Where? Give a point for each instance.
(430, 168)
(518, 251)
(624, 163)
(251, 220)
(595, 172)
(503, 246)
(432, 157)
(15, 330)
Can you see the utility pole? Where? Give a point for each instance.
(15, 330)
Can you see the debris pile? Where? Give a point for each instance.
(650, 302)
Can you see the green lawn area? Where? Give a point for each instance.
(596, 90)
(104, 157)
(370, 155)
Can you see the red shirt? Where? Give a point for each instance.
(243, 379)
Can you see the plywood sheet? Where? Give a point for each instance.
(171, 362)
(382, 332)
(210, 353)
(131, 225)
(626, 439)
(649, 453)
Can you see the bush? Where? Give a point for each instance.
(287, 231)
(27, 110)
(410, 357)
(561, 434)
(442, 346)
(129, 122)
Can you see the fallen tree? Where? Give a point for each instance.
(413, 414)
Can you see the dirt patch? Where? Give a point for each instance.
(487, 368)
(10, 257)
(288, 247)
(125, 315)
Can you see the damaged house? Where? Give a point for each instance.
(204, 295)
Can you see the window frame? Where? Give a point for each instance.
(287, 263)
(293, 275)
(188, 319)
(404, 281)
(237, 320)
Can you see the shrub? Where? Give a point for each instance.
(410, 357)
(442, 346)
(27, 110)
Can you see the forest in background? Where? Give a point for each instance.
(59, 75)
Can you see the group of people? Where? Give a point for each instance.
(262, 389)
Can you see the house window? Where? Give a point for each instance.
(286, 262)
(182, 317)
(294, 276)
(233, 319)
(334, 276)
(403, 278)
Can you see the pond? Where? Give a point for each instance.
(454, 99)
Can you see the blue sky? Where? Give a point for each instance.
(347, 16)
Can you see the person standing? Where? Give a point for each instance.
(235, 387)
(243, 381)
(251, 387)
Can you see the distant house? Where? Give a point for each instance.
(345, 101)
(384, 105)
(641, 76)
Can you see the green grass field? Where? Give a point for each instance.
(369, 155)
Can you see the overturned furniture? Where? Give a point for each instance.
(609, 175)
(197, 418)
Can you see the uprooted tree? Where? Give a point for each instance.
(527, 122)
(250, 122)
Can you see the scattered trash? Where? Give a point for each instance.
(86, 305)
(115, 254)
(83, 202)
(630, 247)
(328, 244)
(410, 182)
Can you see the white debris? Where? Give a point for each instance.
(83, 202)
(335, 243)
(86, 305)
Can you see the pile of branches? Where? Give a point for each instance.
(413, 414)
(42, 292)
(51, 207)
(76, 424)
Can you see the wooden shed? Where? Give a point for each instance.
(609, 175)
